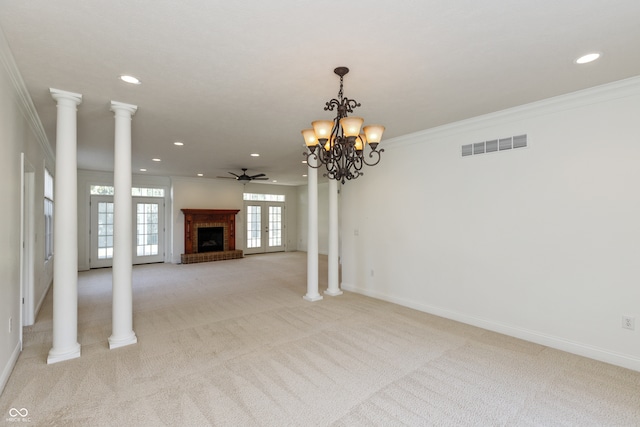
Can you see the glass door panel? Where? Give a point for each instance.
(274, 230)
(101, 231)
(254, 241)
(149, 230)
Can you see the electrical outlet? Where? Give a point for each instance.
(629, 322)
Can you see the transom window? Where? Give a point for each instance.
(254, 197)
(107, 190)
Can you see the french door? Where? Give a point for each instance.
(264, 227)
(148, 238)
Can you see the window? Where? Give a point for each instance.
(263, 197)
(107, 190)
(101, 190)
(48, 215)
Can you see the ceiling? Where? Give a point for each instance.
(233, 78)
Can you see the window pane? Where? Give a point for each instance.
(105, 230)
(275, 226)
(253, 226)
(108, 190)
(263, 197)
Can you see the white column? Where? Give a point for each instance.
(333, 288)
(312, 234)
(65, 230)
(122, 310)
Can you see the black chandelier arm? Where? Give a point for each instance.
(354, 175)
(353, 161)
(331, 105)
(314, 156)
(344, 106)
(350, 104)
(374, 154)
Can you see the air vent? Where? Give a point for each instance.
(505, 144)
(494, 145)
(520, 141)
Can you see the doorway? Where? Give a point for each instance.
(264, 227)
(27, 255)
(148, 230)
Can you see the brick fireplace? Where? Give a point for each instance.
(209, 235)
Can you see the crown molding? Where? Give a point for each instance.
(594, 95)
(23, 98)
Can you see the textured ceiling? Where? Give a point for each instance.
(232, 78)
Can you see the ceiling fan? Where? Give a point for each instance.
(246, 178)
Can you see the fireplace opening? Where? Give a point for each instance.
(210, 239)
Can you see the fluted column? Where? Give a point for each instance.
(65, 230)
(312, 234)
(333, 288)
(122, 310)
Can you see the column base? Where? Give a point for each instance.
(333, 293)
(312, 298)
(56, 356)
(122, 341)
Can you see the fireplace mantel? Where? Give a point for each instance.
(194, 218)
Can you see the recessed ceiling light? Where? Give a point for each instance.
(130, 79)
(274, 180)
(255, 155)
(587, 58)
(200, 174)
(304, 161)
(304, 176)
(156, 160)
(143, 170)
(178, 143)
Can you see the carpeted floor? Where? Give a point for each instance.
(232, 343)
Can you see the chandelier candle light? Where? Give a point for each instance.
(338, 144)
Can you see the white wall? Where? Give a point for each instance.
(202, 193)
(20, 132)
(540, 243)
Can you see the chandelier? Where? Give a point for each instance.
(338, 144)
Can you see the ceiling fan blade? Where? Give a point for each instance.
(261, 179)
(257, 176)
(226, 177)
(236, 175)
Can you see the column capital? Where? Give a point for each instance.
(60, 95)
(122, 107)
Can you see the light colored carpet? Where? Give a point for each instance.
(232, 343)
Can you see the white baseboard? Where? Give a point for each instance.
(8, 368)
(592, 352)
(41, 301)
